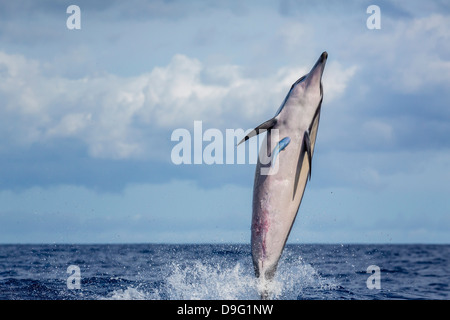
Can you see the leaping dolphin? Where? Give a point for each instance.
(277, 194)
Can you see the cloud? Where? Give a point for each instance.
(336, 79)
(411, 55)
(114, 116)
(84, 114)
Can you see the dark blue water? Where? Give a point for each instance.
(148, 271)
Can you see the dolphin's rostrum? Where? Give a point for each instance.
(278, 194)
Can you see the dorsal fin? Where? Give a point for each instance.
(309, 141)
(314, 126)
(302, 160)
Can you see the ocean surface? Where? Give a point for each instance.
(216, 272)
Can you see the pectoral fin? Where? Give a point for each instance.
(280, 147)
(263, 126)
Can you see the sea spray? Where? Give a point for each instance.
(203, 280)
(161, 271)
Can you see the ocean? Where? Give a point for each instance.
(222, 272)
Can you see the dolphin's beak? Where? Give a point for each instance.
(316, 72)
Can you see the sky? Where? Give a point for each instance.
(87, 117)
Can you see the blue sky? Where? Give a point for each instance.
(86, 118)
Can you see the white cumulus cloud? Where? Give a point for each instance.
(119, 117)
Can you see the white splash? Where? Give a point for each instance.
(199, 280)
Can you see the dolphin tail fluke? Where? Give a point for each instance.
(263, 126)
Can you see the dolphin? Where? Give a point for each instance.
(278, 189)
